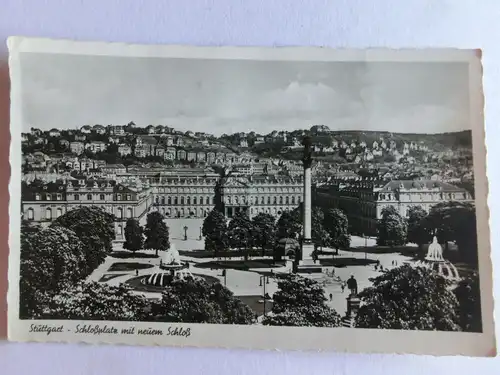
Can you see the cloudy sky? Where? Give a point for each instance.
(226, 96)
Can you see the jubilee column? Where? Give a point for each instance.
(307, 245)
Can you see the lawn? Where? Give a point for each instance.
(136, 283)
(403, 250)
(107, 277)
(224, 254)
(344, 262)
(128, 266)
(130, 254)
(241, 264)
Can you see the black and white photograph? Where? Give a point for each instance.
(159, 192)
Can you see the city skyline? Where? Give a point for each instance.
(258, 96)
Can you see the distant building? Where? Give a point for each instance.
(77, 148)
(124, 150)
(97, 146)
(150, 129)
(86, 129)
(80, 137)
(170, 153)
(114, 169)
(181, 154)
(193, 195)
(36, 132)
(362, 200)
(44, 202)
(116, 130)
(54, 132)
(99, 129)
(259, 139)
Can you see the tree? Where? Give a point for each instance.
(319, 235)
(409, 298)
(456, 221)
(241, 230)
(265, 231)
(195, 301)
(215, 232)
(95, 301)
(156, 231)
(301, 301)
(469, 299)
(392, 228)
(95, 228)
(418, 228)
(289, 225)
(133, 235)
(29, 227)
(337, 226)
(51, 259)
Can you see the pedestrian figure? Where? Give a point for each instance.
(352, 284)
(378, 262)
(136, 272)
(331, 296)
(342, 286)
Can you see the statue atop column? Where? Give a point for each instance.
(307, 157)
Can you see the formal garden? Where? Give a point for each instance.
(73, 269)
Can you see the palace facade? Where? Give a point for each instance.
(43, 202)
(175, 196)
(363, 200)
(194, 196)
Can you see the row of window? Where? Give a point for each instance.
(77, 197)
(229, 200)
(58, 212)
(270, 200)
(48, 213)
(176, 200)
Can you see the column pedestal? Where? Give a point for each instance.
(307, 264)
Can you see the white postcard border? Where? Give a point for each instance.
(259, 337)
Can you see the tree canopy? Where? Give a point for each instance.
(301, 301)
(51, 259)
(469, 298)
(456, 221)
(196, 301)
(408, 297)
(265, 231)
(241, 231)
(418, 226)
(289, 225)
(156, 231)
(215, 232)
(134, 238)
(95, 301)
(95, 228)
(392, 228)
(337, 226)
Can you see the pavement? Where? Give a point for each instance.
(247, 283)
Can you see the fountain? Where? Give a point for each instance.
(436, 262)
(174, 269)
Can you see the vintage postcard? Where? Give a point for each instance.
(266, 198)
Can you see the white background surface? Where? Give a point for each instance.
(347, 23)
